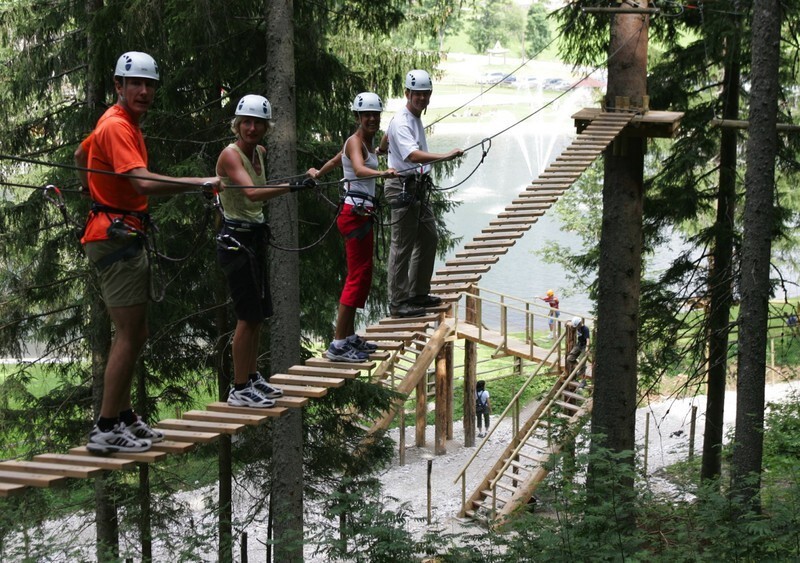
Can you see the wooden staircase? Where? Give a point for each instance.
(523, 465)
(477, 256)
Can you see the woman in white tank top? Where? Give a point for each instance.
(360, 165)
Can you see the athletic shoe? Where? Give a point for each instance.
(249, 397)
(362, 345)
(265, 388)
(406, 310)
(345, 353)
(426, 301)
(142, 431)
(118, 439)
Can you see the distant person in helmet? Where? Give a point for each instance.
(552, 300)
(242, 245)
(580, 347)
(116, 147)
(412, 252)
(360, 164)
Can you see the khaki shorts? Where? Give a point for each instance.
(125, 282)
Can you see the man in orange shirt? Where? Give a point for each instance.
(113, 159)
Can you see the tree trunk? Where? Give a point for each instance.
(470, 377)
(759, 219)
(106, 524)
(720, 278)
(614, 412)
(284, 281)
(222, 361)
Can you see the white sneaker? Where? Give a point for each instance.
(265, 388)
(249, 397)
(118, 439)
(142, 431)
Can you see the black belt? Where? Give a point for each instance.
(243, 226)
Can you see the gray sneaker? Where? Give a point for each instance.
(265, 388)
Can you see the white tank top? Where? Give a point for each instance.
(355, 185)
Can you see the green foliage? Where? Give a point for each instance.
(537, 30)
(493, 21)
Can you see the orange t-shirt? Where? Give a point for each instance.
(115, 145)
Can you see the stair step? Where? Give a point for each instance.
(284, 378)
(342, 370)
(568, 406)
(575, 396)
(326, 363)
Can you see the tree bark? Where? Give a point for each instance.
(614, 412)
(470, 377)
(759, 219)
(284, 276)
(720, 278)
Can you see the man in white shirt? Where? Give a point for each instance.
(412, 252)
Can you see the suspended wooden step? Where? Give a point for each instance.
(94, 461)
(338, 371)
(324, 362)
(77, 471)
(140, 457)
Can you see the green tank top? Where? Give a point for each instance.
(235, 205)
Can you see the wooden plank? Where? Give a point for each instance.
(324, 362)
(291, 402)
(472, 252)
(379, 356)
(303, 391)
(448, 271)
(450, 288)
(514, 220)
(473, 261)
(141, 457)
(223, 407)
(30, 479)
(532, 203)
(505, 229)
(190, 436)
(285, 378)
(490, 244)
(465, 278)
(76, 471)
(334, 371)
(446, 298)
(407, 326)
(172, 447)
(254, 418)
(425, 319)
(200, 426)
(10, 489)
(527, 214)
(94, 461)
(377, 337)
(387, 345)
(498, 236)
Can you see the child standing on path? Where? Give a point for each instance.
(482, 407)
(552, 300)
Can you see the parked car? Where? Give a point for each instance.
(491, 77)
(510, 79)
(556, 84)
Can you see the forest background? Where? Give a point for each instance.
(58, 56)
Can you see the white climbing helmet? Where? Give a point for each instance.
(136, 64)
(367, 101)
(418, 80)
(576, 321)
(253, 105)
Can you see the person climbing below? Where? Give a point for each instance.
(113, 164)
(241, 245)
(483, 407)
(412, 251)
(580, 347)
(355, 222)
(552, 301)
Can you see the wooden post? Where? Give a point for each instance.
(243, 548)
(470, 377)
(422, 410)
(430, 470)
(448, 355)
(440, 440)
(401, 449)
(692, 428)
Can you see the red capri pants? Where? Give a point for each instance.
(359, 244)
